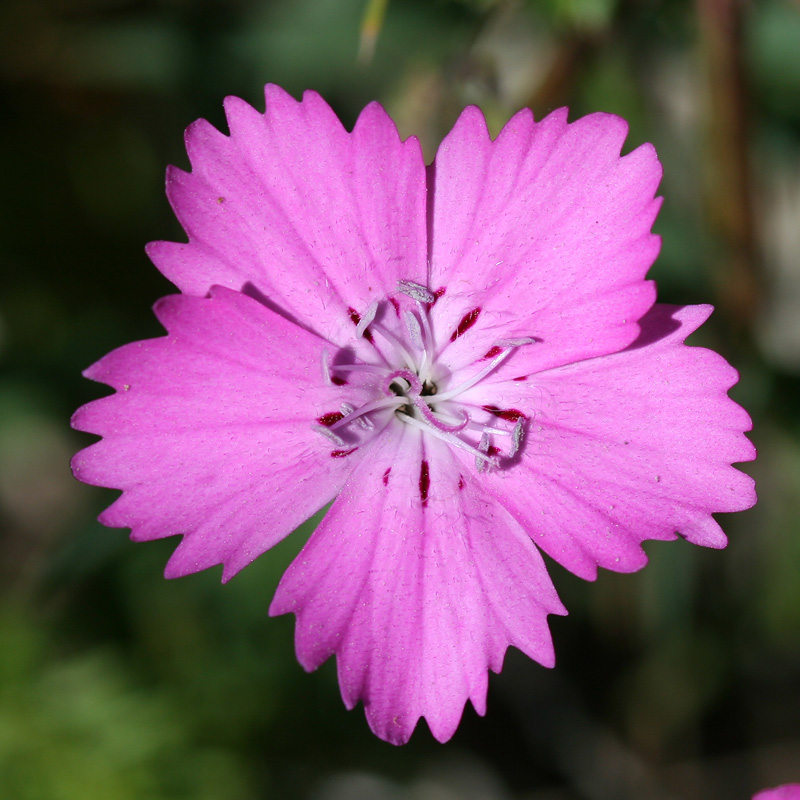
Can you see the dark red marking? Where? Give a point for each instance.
(467, 321)
(493, 351)
(424, 482)
(511, 414)
(342, 453)
(386, 476)
(492, 451)
(437, 294)
(521, 378)
(460, 482)
(329, 419)
(355, 318)
(396, 305)
(337, 381)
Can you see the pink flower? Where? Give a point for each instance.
(789, 791)
(466, 360)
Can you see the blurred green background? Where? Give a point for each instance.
(682, 681)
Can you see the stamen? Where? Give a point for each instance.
(328, 434)
(518, 342)
(396, 344)
(417, 291)
(483, 447)
(429, 347)
(362, 421)
(508, 347)
(366, 320)
(326, 370)
(378, 370)
(450, 438)
(414, 330)
(516, 438)
(375, 405)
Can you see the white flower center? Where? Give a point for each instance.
(408, 381)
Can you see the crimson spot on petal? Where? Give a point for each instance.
(510, 414)
(337, 381)
(521, 378)
(437, 294)
(386, 476)
(467, 321)
(424, 482)
(460, 482)
(493, 351)
(329, 419)
(342, 453)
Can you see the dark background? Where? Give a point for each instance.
(682, 681)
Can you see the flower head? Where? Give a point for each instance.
(465, 359)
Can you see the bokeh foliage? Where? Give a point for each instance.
(682, 681)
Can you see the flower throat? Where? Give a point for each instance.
(409, 382)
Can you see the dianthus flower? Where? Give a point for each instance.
(466, 360)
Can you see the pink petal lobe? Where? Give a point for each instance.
(550, 228)
(418, 583)
(209, 433)
(294, 208)
(633, 446)
(789, 791)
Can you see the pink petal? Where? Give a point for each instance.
(547, 230)
(293, 207)
(789, 791)
(633, 446)
(209, 434)
(416, 598)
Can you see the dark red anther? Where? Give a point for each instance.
(342, 453)
(467, 321)
(510, 414)
(330, 419)
(424, 483)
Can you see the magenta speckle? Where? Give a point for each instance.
(386, 476)
(342, 453)
(330, 419)
(467, 321)
(424, 483)
(510, 414)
